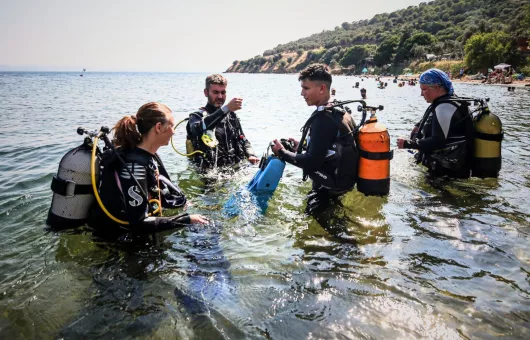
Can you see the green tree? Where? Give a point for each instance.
(385, 51)
(484, 50)
(329, 54)
(354, 55)
(523, 27)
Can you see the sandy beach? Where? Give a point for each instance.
(467, 80)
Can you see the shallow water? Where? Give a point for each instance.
(432, 260)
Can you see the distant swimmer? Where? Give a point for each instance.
(363, 93)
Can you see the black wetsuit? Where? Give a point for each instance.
(122, 197)
(331, 157)
(233, 146)
(444, 138)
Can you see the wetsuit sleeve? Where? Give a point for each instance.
(247, 146)
(156, 224)
(323, 132)
(196, 126)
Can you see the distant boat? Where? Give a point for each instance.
(82, 72)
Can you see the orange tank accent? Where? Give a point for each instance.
(374, 162)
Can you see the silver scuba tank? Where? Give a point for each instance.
(72, 189)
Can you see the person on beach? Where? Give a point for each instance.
(330, 157)
(216, 131)
(128, 189)
(443, 137)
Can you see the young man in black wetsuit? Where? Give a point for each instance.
(331, 155)
(219, 122)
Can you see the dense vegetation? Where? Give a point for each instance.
(483, 32)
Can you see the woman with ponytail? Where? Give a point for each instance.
(126, 189)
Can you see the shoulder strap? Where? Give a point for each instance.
(305, 130)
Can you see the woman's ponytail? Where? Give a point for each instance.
(126, 133)
(129, 130)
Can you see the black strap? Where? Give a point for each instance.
(376, 156)
(60, 187)
(494, 138)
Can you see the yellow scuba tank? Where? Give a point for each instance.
(375, 156)
(190, 150)
(488, 137)
(189, 147)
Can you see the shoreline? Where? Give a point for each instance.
(523, 84)
(516, 83)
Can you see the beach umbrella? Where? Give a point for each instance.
(365, 70)
(501, 66)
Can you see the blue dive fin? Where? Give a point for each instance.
(260, 189)
(268, 176)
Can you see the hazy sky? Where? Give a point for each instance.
(163, 35)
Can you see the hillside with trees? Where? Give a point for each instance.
(479, 33)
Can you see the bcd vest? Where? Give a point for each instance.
(457, 152)
(229, 150)
(339, 171)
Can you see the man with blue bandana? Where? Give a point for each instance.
(443, 137)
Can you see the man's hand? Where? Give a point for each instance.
(295, 143)
(276, 146)
(400, 143)
(235, 104)
(253, 159)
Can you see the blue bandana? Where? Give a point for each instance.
(435, 76)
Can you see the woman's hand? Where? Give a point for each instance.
(253, 159)
(196, 218)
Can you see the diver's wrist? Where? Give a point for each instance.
(225, 109)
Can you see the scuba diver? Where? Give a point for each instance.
(133, 176)
(444, 136)
(216, 131)
(331, 153)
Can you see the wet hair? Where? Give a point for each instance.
(216, 79)
(363, 90)
(316, 72)
(129, 130)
